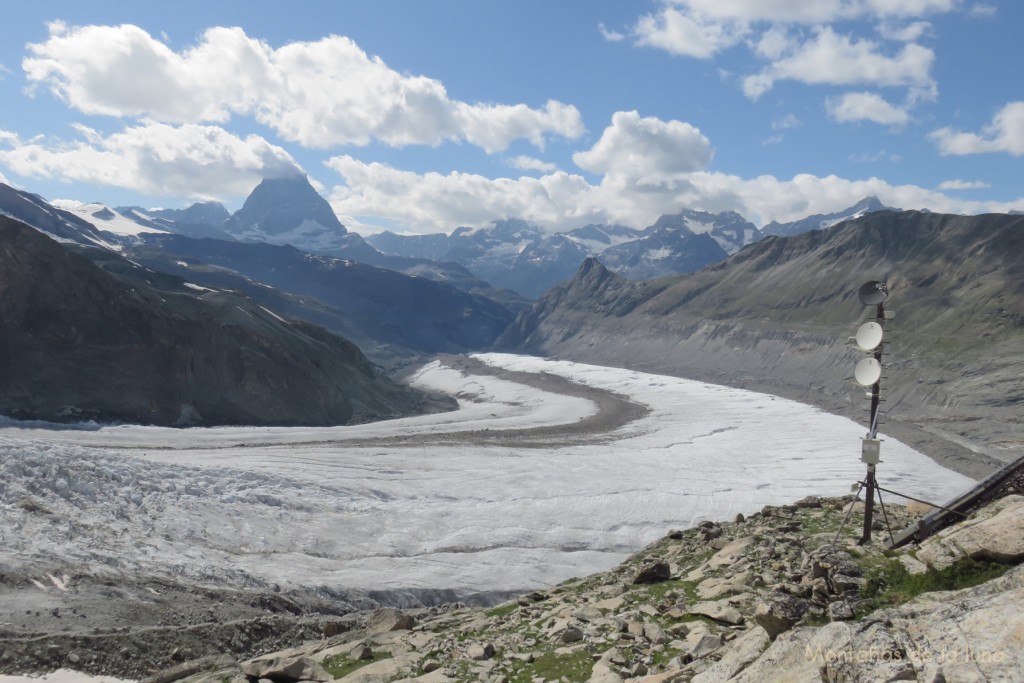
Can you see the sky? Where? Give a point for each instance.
(421, 117)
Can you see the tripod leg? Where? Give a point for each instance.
(888, 527)
(848, 513)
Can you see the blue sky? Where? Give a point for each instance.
(422, 117)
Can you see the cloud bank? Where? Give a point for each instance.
(318, 94)
(647, 168)
(202, 162)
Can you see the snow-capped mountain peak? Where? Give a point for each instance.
(106, 219)
(288, 210)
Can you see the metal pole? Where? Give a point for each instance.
(876, 392)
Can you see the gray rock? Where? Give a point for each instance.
(995, 533)
(969, 635)
(840, 611)
(480, 651)
(389, 619)
(570, 635)
(285, 670)
(653, 572)
(779, 612)
(718, 612)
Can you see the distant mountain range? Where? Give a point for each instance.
(393, 315)
(762, 311)
(520, 256)
(826, 220)
(776, 315)
(509, 261)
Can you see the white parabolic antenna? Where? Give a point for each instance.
(869, 336)
(867, 372)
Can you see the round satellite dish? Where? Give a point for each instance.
(872, 293)
(869, 336)
(867, 372)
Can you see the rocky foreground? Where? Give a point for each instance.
(785, 594)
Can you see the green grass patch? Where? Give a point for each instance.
(657, 591)
(502, 610)
(340, 665)
(890, 583)
(575, 668)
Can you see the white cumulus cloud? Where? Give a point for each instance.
(320, 94)
(786, 122)
(811, 11)
(610, 35)
(435, 202)
(904, 32)
(530, 164)
(646, 149)
(1004, 134)
(683, 33)
(833, 59)
(963, 185)
(865, 106)
(639, 182)
(155, 158)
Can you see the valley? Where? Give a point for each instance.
(548, 470)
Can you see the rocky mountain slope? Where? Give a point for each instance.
(61, 225)
(123, 343)
(785, 594)
(776, 316)
(400, 308)
(388, 313)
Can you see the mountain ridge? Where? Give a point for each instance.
(112, 341)
(776, 316)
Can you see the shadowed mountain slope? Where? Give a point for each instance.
(776, 316)
(376, 307)
(113, 341)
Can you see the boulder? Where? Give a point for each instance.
(840, 610)
(972, 634)
(718, 611)
(730, 553)
(285, 670)
(389, 619)
(741, 652)
(480, 651)
(569, 635)
(653, 572)
(779, 612)
(700, 644)
(995, 533)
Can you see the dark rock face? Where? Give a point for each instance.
(202, 213)
(776, 315)
(279, 205)
(204, 219)
(373, 306)
(122, 343)
(37, 212)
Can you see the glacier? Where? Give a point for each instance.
(455, 501)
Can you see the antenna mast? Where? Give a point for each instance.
(868, 373)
